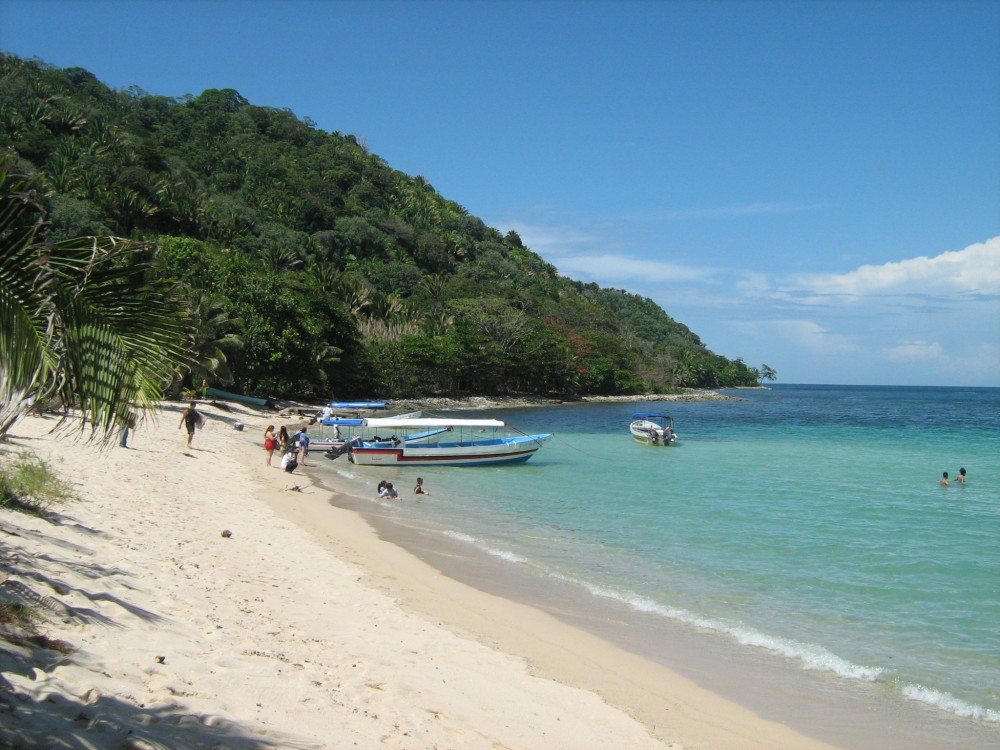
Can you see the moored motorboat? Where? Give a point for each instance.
(337, 415)
(653, 429)
(460, 442)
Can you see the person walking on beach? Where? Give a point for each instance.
(961, 476)
(944, 479)
(419, 489)
(270, 442)
(130, 425)
(190, 418)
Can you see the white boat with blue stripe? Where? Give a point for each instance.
(443, 441)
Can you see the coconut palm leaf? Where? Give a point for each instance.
(80, 322)
(24, 354)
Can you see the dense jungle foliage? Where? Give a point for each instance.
(309, 267)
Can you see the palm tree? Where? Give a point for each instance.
(79, 321)
(216, 337)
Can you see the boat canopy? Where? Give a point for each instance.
(650, 416)
(358, 405)
(348, 422)
(425, 423)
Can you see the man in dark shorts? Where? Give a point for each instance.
(190, 419)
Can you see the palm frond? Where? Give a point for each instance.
(80, 321)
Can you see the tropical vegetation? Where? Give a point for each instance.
(282, 260)
(82, 321)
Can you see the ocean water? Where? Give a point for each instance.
(802, 521)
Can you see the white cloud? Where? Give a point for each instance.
(804, 334)
(608, 269)
(746, 209)
(754, 284)
(554, 241)
(592, 256)
(973, 271)
(914, 351)
(918, 320)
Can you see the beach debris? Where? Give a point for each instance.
(160, 659)
(297, 488)
(238, 426)
(226, 533)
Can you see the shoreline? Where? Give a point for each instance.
(325, 616)
(820, 706)
(200, 616)
(674, 708)
(307, 409)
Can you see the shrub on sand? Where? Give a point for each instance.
(28, 484)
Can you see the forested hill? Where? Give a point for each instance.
(309, 266)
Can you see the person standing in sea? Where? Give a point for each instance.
(944, 479)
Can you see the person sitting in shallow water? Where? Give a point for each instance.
(944, 479)
(419, 489)
(961, 476)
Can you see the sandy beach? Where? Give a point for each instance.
(213, 602)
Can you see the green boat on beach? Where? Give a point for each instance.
(239, 398)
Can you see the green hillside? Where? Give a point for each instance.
(310, 267)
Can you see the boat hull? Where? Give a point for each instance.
(650, 433)
(477, 453)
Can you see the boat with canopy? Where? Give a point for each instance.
(442, 441)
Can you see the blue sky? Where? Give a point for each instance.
(814, 185)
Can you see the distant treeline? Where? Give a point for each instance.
(307, 266)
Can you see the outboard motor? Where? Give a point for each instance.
(334, 453)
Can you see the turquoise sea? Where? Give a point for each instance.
(803, 521)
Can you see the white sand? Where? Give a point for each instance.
(300, 630)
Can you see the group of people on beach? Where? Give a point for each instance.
(960, 479)
(292, 448)
(385, 489)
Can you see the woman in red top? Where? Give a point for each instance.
(270, 442)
